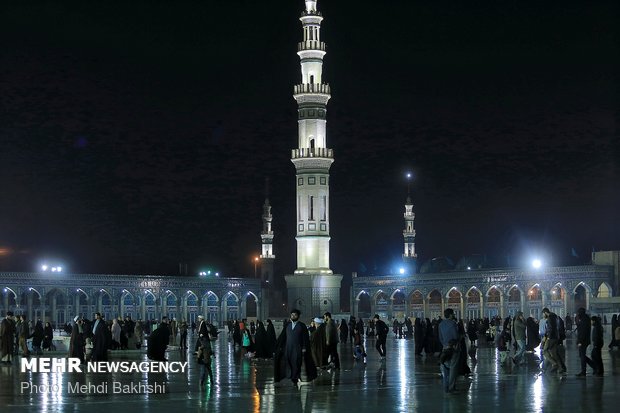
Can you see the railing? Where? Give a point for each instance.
(311, 13)
(312, 88)
(312, 153)
(311, 45)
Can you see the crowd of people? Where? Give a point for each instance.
(447, 339)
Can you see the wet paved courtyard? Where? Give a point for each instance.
(402, 383)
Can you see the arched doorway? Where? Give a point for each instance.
(363, 305)
(382, 304)
(581, 297)
(474, 304)
(232, 306)
(56, 307)
(455, 302)
(399, 305)
(604, 291)
(128, 304)
(558, 300)
(149, 306)
(211, 303)
(416, 304)
(80, 306)
(171, 305)
(192, 307)
(105, 305)
(435, 302)
(10, 303)
(494, 302)
(534, 301)
(32, 298)
(514, 300)
(251, 306)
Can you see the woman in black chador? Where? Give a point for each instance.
(48, 335)
(237, 333)
(533, 338)
(37, 337)
(464, 369)
(419, 333)
(260, 343)
(344, 331)
(271, 338)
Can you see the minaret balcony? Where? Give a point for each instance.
(312, 153)
(322, 88)
(311, 45)
(311, 13)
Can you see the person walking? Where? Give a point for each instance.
(597, 346)
(183, 334)
(77, 343)
(382, 333)
(331, 339)
(584, 327)
(551, 342)
(292, 349)
(37, 338)
(343, 328)
(7, 338)
(519, 335)
(23, 333)
(449, 338)
(203, 358)
(48, 336)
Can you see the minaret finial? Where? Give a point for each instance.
(409, 255)
(266, 190)
(409, 177)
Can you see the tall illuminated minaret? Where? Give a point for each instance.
(267, 256)
(409, 254)
(313, 284)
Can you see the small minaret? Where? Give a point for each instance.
(313, 288)
(267, 256)
(409, 255)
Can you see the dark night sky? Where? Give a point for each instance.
(137, 134)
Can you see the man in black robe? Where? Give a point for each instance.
(294, 347)
(7, 338)
(100, 339)
(76, 345)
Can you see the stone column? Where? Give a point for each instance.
(503, 302)
(143, 308)
(163, 308)
(242, 308)
(54, 317)
(29, 301)
(223, 312)
(569, 303)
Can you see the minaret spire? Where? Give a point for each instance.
(409, 255)
(312, 159)
(267, 256)
(313, 288)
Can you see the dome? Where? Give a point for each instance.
(437, 264)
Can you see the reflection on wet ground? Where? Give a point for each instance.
(402, 383)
